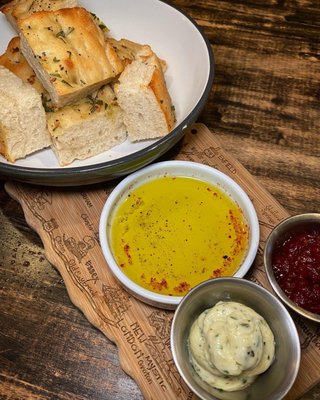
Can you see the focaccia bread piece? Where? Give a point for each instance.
(143, 95)
(128, 51)
(14, 60)
(91, 126)
(68, 52)
(22, 118)
(18, 9)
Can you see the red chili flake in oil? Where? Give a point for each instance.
(183, 287)
(296, 266)
(126, 249)
(158, 285)
(217, 273)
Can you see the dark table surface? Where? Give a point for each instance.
(264, 107)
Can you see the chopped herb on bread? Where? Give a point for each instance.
(19, 9)
(68, 52)
(86, 128)
(96, 91)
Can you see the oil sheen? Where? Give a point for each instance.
(171, 233)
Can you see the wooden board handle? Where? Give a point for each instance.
(67, 221)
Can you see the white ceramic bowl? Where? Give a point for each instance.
(175, 38)
(174, 168)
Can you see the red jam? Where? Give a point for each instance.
(296, 266)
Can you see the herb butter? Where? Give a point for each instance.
(230, 345)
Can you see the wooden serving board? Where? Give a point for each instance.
(67, 221)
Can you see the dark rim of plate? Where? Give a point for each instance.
(20, 172)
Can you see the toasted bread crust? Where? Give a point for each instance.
(19, 9)
(144, 97)
(14, 60)
(128, 51)
(4, 150)
(159, 88)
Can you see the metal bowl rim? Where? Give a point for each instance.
(285, 225)
(244, 282)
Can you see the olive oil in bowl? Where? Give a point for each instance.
(173, 232)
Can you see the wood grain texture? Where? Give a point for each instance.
(48, 349)
(141, 332)
(263, 107)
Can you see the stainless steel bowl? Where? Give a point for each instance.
(275, 383)
(285, 227)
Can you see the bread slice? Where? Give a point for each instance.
(128, 51)
(91, 126)
(18, 9)
(22, 118)
(68, 52)
(14, 60)
(143, 95)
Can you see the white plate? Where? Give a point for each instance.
(175, 38)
